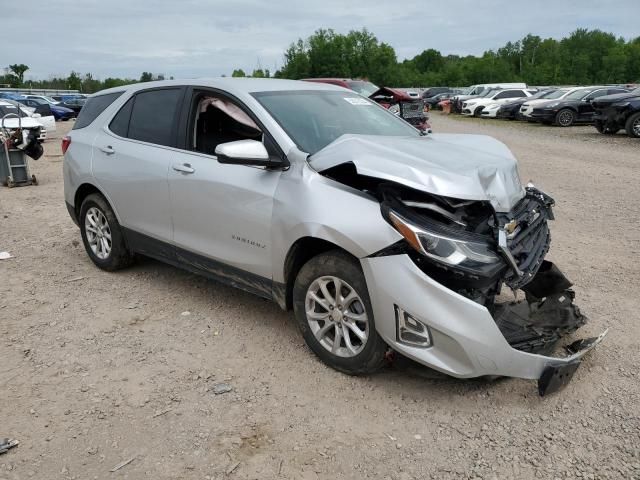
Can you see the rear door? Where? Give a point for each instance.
(131, 159)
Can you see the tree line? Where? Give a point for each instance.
(583, 57)
(86, 83)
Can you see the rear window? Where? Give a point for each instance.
(94, 107)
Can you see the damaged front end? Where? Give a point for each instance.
(469, 248)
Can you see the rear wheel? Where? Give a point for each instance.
(633, 125)
(332, 306)
(565, 117)
(101, 234)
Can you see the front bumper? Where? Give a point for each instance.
(542, 115)
(466, 340)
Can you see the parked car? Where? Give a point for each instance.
(615, 112)
(475, 106)
(529, 105)
(26, 121)
(480, 90)
(74, 102)
(47, 121)
(59, 112)
(379, 238)
(572, 109)
(433, 102)
(396, 100)
(511, 109)
(433, 91)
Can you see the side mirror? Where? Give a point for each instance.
(245, 152)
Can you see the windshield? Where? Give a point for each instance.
(578, 94)
(636, 91)
(555, 94)
(314, 119)
(6, 109)
(363, 88)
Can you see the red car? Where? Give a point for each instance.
(399, 102)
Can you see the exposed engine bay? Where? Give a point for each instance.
(475, 251)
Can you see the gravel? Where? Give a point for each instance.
(114, 369)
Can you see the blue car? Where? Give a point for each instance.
(59, 112)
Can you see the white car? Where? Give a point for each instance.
(527, 108)
(475, 106)
(27, 119)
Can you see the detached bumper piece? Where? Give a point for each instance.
(536, 324)
(555, 377)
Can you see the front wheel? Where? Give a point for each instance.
(332, 306)
(633, 125)
(101, 234)
(565, 117)
(478, 112)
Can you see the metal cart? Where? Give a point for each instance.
(14, 168)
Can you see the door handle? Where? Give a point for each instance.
(108, 150)
(183, 167)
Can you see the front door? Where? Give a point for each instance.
(221, 213)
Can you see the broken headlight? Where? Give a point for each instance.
(445, 247)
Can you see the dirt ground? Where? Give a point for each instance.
(100, 368)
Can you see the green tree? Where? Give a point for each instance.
(238, 73)
(19, 69)
(146, 77)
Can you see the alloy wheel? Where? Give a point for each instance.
(636, 127)
(337, 316)
(98, 233)
(565, 118)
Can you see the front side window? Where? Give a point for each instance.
(152, 116)
(315, 118)
(215, 120)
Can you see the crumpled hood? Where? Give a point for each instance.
(467, 167)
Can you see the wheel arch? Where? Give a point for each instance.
(300, 252)
(83, 191)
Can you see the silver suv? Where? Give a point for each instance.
(380, 239)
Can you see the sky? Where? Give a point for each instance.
(199, 38)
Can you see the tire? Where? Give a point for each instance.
(565, 117)
(633, 125)
(322, 273)
(478, 112)
(602, 128)
(95, 212)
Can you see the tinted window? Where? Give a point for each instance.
(617, 90)
(120, 123)
(596, 94)
(152, 116)
(94, 107)
(510, 94)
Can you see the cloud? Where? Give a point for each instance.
(192, 38)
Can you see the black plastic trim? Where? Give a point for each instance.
(201, 265)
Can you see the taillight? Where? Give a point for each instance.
(66, 141)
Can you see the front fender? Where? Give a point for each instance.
(308, 204)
